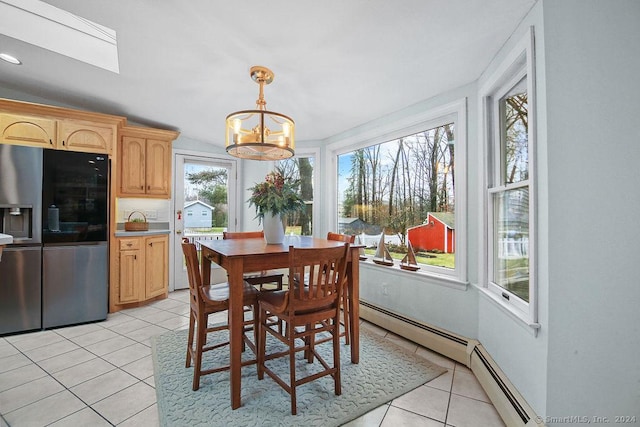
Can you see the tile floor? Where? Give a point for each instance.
(101, 374)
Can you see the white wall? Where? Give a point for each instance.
(518, 351)
(593, 70)
(584, 361)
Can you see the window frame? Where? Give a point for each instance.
(516, 66)
(315, 154)
(426, 119)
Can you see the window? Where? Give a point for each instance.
(509, 200)
(408, 188)
(301, 169)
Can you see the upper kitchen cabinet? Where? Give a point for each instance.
(58, 128)
(28, 130)
(144, 162)
(90, 137)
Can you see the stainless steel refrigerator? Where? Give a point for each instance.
(75, 196)
(55, 205)
(21, 216)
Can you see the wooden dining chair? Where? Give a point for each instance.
(346, 301)
(258, 278)
(307, 311)
(209, 299)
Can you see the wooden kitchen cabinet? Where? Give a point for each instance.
(87, 137)
(131, 270)
(24, 123)
(144, 159)
(143, 268)
(156, 266)
(28, 130)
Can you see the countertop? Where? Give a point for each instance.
(155, 228)
(122, 233)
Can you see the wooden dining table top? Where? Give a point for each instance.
(258, 246)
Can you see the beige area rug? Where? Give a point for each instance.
(385, 372)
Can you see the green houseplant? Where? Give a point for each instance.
(273, 198)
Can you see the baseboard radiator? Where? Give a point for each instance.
(509, 403)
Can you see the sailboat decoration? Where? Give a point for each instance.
(382, 256)
(409, 260)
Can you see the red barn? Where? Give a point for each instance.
(437, 233)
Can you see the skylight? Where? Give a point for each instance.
(54, 29)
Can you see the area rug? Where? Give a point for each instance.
(385, 372)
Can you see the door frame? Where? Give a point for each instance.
(179, 157)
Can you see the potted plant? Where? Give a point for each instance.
(273, 198)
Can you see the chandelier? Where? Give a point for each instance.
(260, 134)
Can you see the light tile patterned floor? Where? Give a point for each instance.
(101, 374)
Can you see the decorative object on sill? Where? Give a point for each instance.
(385, 372)
(409, 260)
(260, 134)
(382, 256)
(136, 224)
(275, 197)
(361, 254)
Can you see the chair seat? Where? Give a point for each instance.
(263, 273)
(220, 292)
(276, 301)
(265, 277)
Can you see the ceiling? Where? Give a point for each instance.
(184, 65)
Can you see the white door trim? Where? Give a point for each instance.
(177, 274)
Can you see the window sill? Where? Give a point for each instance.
(529, 326)
(425, 276)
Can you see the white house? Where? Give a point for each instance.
(197, 214)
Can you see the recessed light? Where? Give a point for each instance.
(10, 59)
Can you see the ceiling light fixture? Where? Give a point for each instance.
(10, 59)
(260, 134)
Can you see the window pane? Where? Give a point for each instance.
(206, 192)
(511, 241)
(515, 155)
(406, 189)
(300, 169)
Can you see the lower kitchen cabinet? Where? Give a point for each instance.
(143, 268)
(156, 266)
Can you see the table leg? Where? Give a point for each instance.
(354, 306)
(205, 266)
(236, 320)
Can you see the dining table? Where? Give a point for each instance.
(239, 256)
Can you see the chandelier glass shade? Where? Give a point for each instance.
(260, 134)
